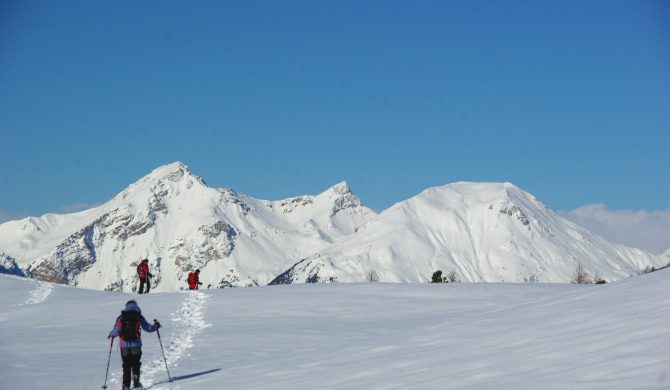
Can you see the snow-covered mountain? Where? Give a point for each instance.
(481, 231)
(180, 224)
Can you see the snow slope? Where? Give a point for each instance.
(349, 336)
(482, 231)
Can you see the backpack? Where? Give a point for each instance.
(191, 278)
(129, 325)
(143, 270)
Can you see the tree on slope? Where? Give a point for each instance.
(580, 276)
(452, 278)
(372, 276)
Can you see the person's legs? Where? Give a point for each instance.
(141, 290)
(137, 356)
(148, 285)
(126, 359)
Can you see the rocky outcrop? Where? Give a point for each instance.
(510, 210)
(231, 196)
(8, 265)
(290, 205)
(209, 243)
(345, 200)
(72, 257)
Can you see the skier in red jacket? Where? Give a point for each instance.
(194, 280)
(144, 275)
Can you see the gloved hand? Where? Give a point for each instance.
(110, 336)
(157, 324)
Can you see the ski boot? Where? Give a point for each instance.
(137, 385)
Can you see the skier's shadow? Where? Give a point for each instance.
(182, 377)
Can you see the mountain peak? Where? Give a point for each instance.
(175, 169)
(175, 172)
(175, 178)
(341, 188)
(469, 193)
(341, 197)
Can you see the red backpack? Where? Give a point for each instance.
(129, 325)
(192, 279)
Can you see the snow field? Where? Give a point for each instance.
(351, 336)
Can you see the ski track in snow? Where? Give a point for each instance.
(188, 321)
(39, 293)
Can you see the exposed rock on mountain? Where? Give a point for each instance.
(8, 266)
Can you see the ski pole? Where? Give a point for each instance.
(163, 351)
(108, 359)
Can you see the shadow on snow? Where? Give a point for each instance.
(182, 377)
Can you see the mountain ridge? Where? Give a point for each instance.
(492, 232)
(171, 216)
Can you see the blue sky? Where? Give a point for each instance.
(568, 100)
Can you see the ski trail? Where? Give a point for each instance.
(187, 322)
(39, 293)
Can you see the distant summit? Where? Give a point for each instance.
(173, 172)
(341, 188)
(483, 232)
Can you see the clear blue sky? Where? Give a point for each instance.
(570, 100)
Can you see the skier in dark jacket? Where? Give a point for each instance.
(127, 327)
(144, 275)
(194, 280)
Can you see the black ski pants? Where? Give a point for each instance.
(142, 282)
(131, 364)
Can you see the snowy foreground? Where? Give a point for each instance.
(353, 336)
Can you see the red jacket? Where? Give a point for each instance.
(143, 270)
(193, 281)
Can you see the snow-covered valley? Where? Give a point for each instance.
(353, 336)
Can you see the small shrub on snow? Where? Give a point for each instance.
(438, 278)
(452, 278)
(372, 276)
(598, 280)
